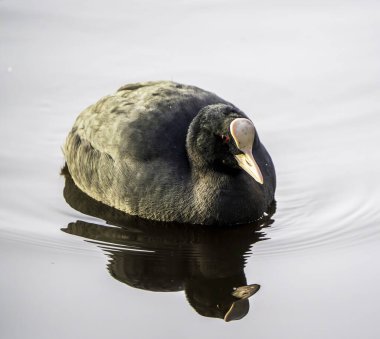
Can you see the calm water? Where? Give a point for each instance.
(308, 76)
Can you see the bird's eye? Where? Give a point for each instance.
(226, 138)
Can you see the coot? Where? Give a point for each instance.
(171, 152)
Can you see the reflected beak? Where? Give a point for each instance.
(240, 307)
(248, 163)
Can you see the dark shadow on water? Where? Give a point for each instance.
(207, 263)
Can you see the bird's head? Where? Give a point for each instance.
(223, 138)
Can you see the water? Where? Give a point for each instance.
(308, 75)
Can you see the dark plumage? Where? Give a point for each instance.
(171, 152)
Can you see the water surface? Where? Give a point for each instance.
(307, 75)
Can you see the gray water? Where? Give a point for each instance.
(307, 73)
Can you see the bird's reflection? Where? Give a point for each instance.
(207, 263)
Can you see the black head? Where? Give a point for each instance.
(222, 138)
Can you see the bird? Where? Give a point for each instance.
(170, 152)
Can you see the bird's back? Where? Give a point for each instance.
(144, 120)
(128, 150)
